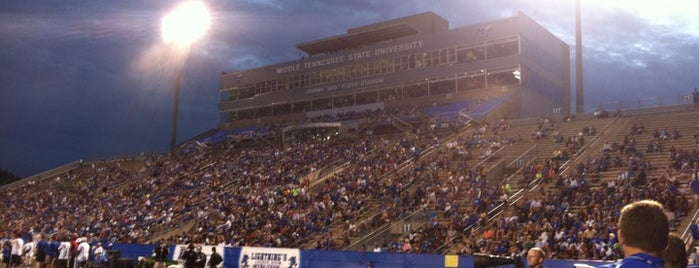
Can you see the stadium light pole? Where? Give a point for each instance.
(579, 92)
(185, 24)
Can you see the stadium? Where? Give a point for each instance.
(399, 144)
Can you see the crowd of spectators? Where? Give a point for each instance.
(576, 219)
(265, 196)
(258, 197)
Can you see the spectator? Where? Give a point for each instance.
(200, 260)
(536, 257)
(42, 248)
(190, 257)
(82, 253)
(694, 230)
(99, 256)
(643, 232)
(63, 253)
(215, 259)
(694, 256)
(694, 186)
(160, 253)
(17, 244)
(675, 255)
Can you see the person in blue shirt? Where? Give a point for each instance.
(643, 231)
(52, 252)
(41, 253)
(694, 186)
(694, 229)
(6, 253)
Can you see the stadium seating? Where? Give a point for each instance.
(478, 187)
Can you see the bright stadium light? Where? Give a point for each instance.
(185, 24)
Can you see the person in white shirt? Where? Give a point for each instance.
(28, 250)
(63, 254)
(99, 255)
(17, 246)
(82, 254)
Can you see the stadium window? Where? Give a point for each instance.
(367, 98)
(268, 86)
(434, 59)
(294, 82)
(352, 71)
(413, 61)
(404, 63)
(443, 56)
(442, 87)
(502, 49)
(302, 106)
(389, 66)
(502, 79)
(343, 101)
(281, 84)
(373, 68)
(246, 114)
(471, 54)
(416, 90)
(470, 82)
(264, 112)
(391, 94)
(364, 70)
(246, 92)
(428, 59)
(334, 75)
(322, 104)
(226, 117)
(302, 80)
(282, 109)
(324, 77)
(229, 95)
(313, 78)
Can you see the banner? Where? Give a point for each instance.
(257, 257)
(180, 248)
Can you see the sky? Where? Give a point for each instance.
(94, 79)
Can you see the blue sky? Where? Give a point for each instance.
(91, 80)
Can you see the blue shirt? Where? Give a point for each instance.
(53, 248)
(694, 185)
(695, 230)
(638, 260)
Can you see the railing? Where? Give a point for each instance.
(652, 102)
(49, 174)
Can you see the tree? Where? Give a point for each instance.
(7, 177)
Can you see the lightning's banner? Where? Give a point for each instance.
(256, 257)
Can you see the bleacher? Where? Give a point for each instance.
(411, 178)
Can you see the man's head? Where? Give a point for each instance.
(644, 226)
(675, 255)
(535, 257)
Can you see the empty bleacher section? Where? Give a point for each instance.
(479, 186)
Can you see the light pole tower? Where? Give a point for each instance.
(188, 22)
(579, 94)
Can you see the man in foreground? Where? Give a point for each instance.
(643, 232)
